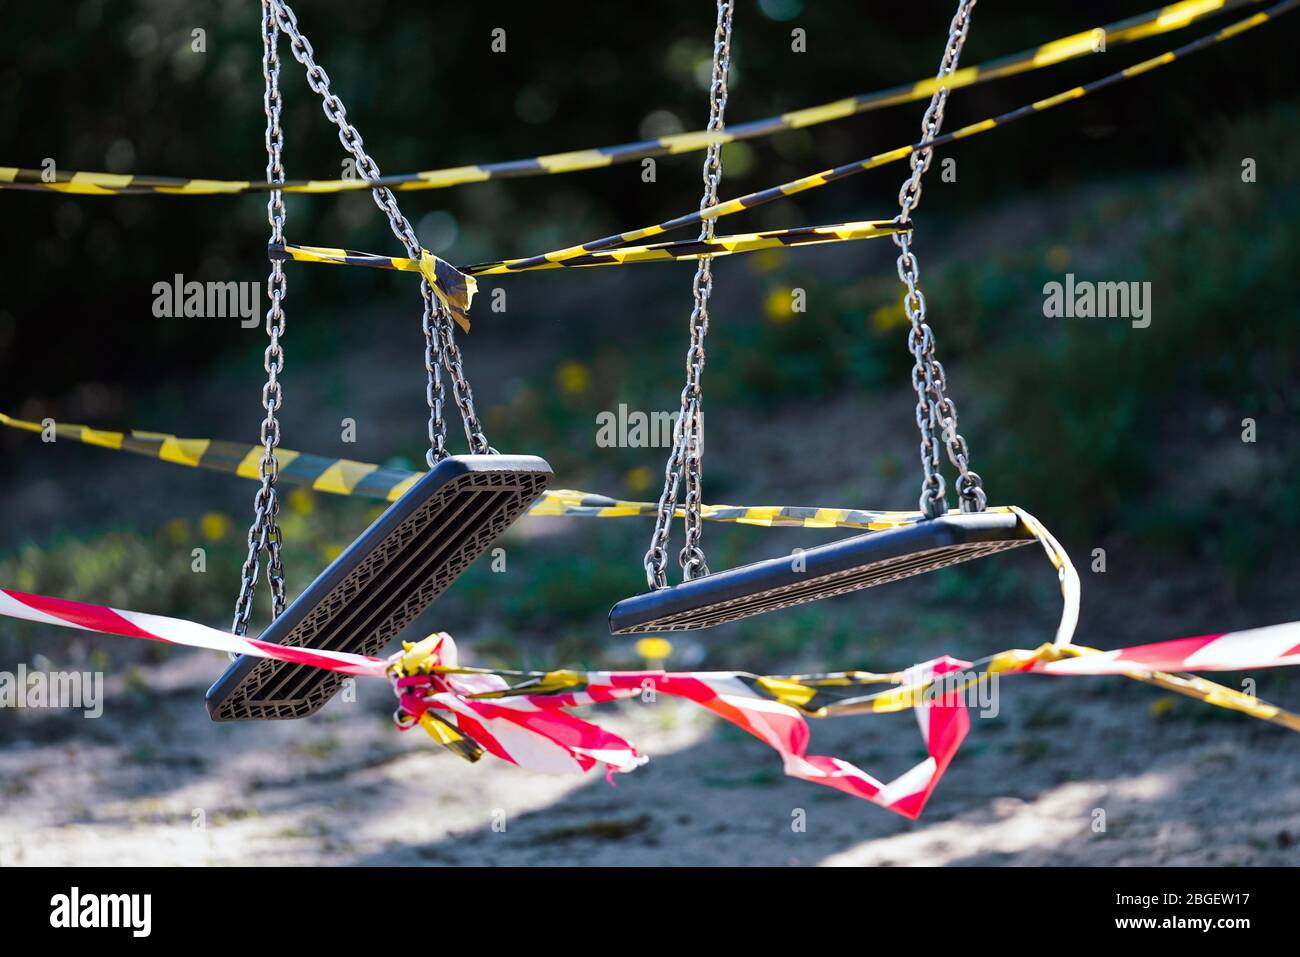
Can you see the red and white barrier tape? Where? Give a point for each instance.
(555, 740)
(174, 631)
(537, 732)
(1275, 646)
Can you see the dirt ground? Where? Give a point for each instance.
(165, 786)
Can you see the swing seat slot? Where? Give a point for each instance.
(827, 570)
(363, 600)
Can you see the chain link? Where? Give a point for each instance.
(439, 334)
(687, 454)
(936, 415)
(264, 534)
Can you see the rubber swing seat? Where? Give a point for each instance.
(825, 571)
(408, 557)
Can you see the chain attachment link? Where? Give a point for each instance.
(936, 414)
(687, 456)
(439, 334)
(441, 351)
(264, 534)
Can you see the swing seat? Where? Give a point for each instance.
(822, 572)
(408, 557)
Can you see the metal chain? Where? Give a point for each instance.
(935, 412)
(688, 437)
(264, 533)
(439, 334)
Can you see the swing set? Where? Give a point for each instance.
(441, 521)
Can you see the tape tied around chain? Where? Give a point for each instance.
(453, 288)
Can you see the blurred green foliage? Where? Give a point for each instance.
(113, 84)
(1098, 426)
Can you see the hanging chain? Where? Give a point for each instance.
(439, 334)
(688, 436)
(264, 533)
(692, 555)
(936, 415)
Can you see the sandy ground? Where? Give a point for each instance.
(160, 784)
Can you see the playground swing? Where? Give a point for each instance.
(936, 539)
(422, 543)
(442, 520)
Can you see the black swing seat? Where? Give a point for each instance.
(821, 572)
(408, 557)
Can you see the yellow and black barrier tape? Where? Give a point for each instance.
(338, 476)
(454, 288)
(569, 503)
(657, 252)
(823, 695)
(1166, 19)
(840, 694)
(845, 693)
(825, 177)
